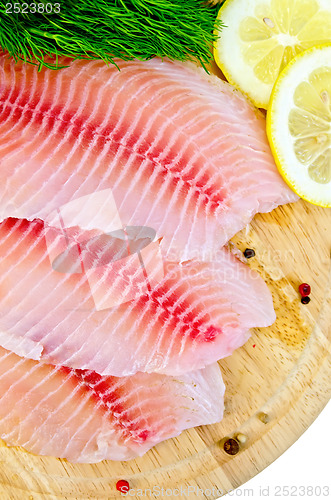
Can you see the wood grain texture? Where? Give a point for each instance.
(277, 383)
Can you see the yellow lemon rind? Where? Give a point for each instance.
(281, 165)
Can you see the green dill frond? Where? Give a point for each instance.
(109, 29)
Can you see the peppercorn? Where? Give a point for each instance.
(122, 486)
(304, 289)
(249, 253)
(231, 446)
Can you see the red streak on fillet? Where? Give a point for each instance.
(71, 125)
(36, 229)
(102, 390)
(181, 312)
(172, 308)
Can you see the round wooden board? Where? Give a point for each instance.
(277, 384)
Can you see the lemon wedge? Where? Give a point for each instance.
(260, 38)
(299, 125)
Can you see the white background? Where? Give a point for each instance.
(306, 463)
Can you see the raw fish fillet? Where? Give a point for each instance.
(183, 152)
(84, 417)
(194, 314)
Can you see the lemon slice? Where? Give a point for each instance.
(299, 125)
(260, 38)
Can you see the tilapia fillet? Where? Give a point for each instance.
(194, 314)
(84, 417)
(183, 152)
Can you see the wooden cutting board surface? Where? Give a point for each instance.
(277, 384)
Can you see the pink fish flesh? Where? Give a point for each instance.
(193, 314)
(84, 417)
(182, 152)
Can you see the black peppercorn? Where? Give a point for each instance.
(249, 253)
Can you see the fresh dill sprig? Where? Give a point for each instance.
(109, 29)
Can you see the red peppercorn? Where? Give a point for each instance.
(304, 289)
(122, 486)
